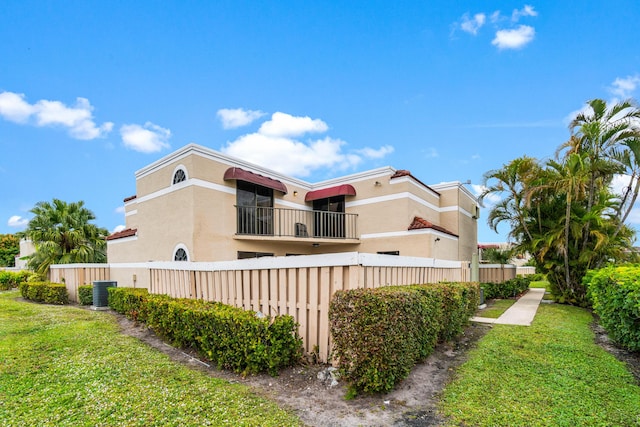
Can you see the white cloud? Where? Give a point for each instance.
(496, 17)
(527, 10)
(118, 229)
(13, 107)
(78, 119)
(514, 38)
(149, 138)
(275, 146)
(624, 87)
(283, 124)
(381, 152)
(489, 200)
(290, 156)
(237, 117)
(17, 221)
(119, 210)
(472, 25)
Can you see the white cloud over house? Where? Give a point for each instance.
(77, 119)
(282, 143)
(232, 118)
(149, 138)
(17, 221)
(283, 124)
(117, 229)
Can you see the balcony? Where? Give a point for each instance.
(296, 225)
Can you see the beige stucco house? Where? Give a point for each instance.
(200, 205)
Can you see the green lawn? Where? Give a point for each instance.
(64, 366)
(539, 284)
(495, 308)
(549, 374)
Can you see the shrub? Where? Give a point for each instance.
(460, 302)
(509, 289)
(47, 292)
(129, 301)
(615, 294)
(230, 337)
(12, 279)
(85, 294)
(380, 334)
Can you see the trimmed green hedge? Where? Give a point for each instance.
(615, 295)
(509, 289)
(380, 334)
(85, 294)
(129, 301)
(47, 292)
(12, 279)
(230, 337)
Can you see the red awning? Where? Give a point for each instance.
(243, 175)
(340, 190)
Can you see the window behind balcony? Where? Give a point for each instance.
(329, 218)
(255, 209)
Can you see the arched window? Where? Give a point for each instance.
(181, 255)
(179, 176)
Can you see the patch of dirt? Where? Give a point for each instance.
(631, 359)
(412, 403)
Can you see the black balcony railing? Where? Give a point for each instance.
(278, 222)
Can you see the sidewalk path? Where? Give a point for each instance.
(520, 313)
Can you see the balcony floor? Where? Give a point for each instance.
(302, 240)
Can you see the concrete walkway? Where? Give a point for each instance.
(520, 313)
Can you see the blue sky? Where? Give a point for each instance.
(92, 91)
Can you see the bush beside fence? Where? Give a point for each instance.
(50, 293)
(509, 289)
(615, 295)
(85, 294)
(380, 334)
(12, 279)
(232, 338)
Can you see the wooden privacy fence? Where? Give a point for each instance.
(300, 286)
(496, 273)
(74, 275)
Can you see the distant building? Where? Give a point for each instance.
(518, 260)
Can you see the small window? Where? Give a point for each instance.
(181, 255)
(179, 176)
(389, 253)
(247, 255)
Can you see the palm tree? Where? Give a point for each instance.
(513, 182)
(62, 234)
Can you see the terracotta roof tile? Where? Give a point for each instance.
(421, 223)
(122, 234)
(401, 172)
(488, 246)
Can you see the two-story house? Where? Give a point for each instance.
(197, 204)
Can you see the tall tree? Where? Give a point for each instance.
(9, 249)
(563, 212)
(62, 234)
